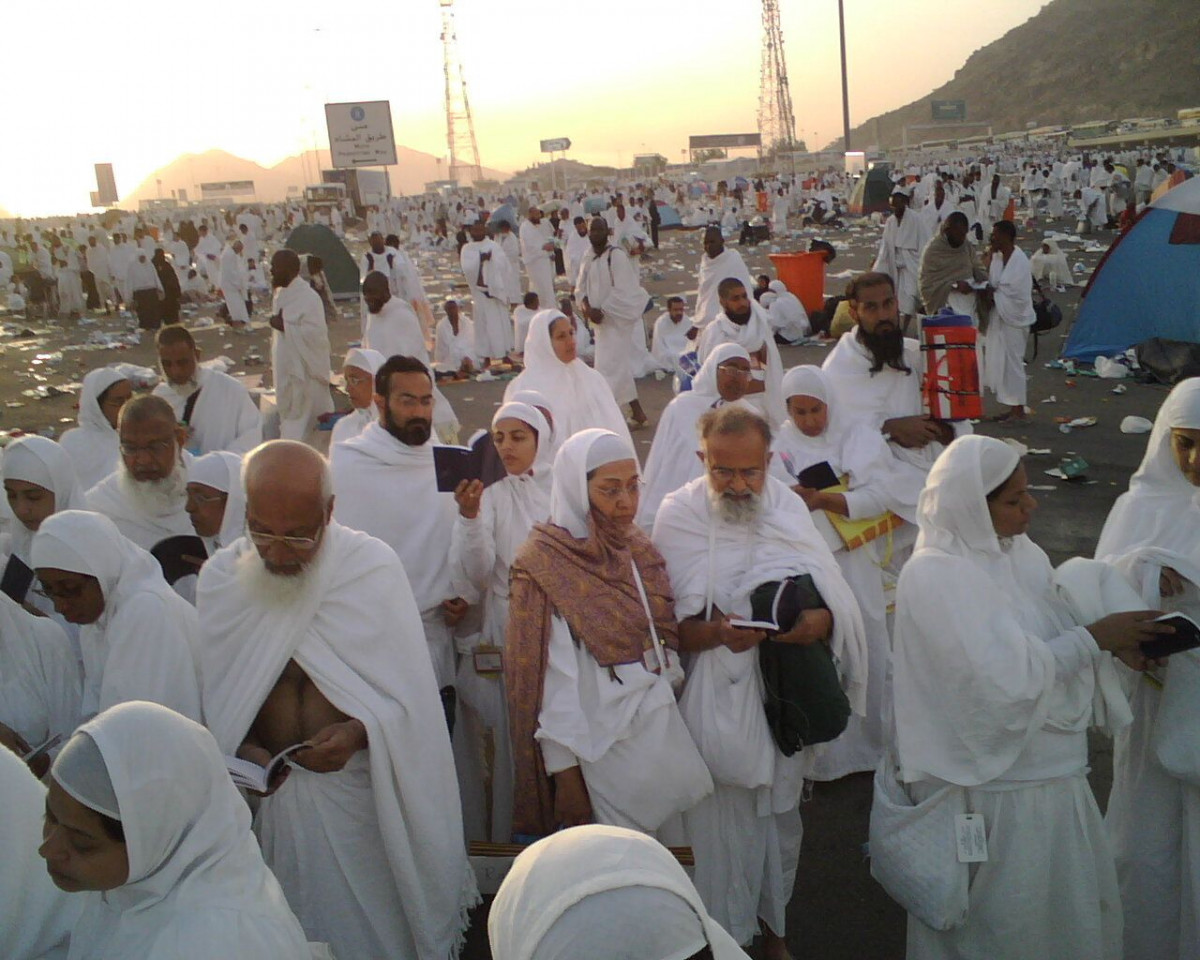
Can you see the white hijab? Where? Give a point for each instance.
(222, 471)
(43, 462)
(540, 402)
(581, 397)
(93, 444)
(584, 452)
(601, 893)
(197, 885)
(521, 501)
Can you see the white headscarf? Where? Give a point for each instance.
(43, 462)
(535, 398)
(601, 893)
(705, 381)
(197, 883)
(222, 471)
(93, 444)
(581, 397)
(364, 358)
(584, 452)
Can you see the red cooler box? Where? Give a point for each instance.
(951, 389)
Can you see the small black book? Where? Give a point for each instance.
(17, 579)
(478, 461)
(1185, 637)
(819, 476)
(179, 556)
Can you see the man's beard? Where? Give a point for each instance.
(412, 434)
(187, 388)
(155, 498)
(741, 319)
(886, 348)
(278, 590)
(736, 510)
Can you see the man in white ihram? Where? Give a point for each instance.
(905, 235)
(718, 263)
(1011, 279)
(299, 350)
(537, 253)
(492, 280)
(722, 536)
(311, 635)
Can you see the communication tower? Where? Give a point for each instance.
(460, 128)
(776, 121)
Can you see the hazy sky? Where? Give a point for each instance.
(139, 85)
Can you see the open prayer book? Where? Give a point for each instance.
(771, 625)
(250, 776)
(476, 461)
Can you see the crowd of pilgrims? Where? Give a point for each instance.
(570, 655)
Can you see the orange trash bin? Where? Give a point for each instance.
(804, 275)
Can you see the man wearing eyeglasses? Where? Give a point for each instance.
(310, 635)
(146, 496)
(724, 535)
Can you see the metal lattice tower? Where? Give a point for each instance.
(460, 128)
(776, 121)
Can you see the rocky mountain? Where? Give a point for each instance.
(1076, 60)
(286, 178)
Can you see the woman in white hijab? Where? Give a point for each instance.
(93, 444)
(216, 500)
(541, 403)
(490, 528)
(602, 893)
(1050, 263)
(1153, 537)
(995, 685)
(816, 432)
(144, 825)
(138, 636)
(359, 370)
(581, 396)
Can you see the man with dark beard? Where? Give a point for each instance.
(876, 374)
(386, 485)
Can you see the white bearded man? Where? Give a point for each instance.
(493, 283)
(717, 264)
(216, 409)
(299, 350)
(311, 634)
(723, 536)
(905, 235)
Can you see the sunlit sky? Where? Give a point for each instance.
(138, 83)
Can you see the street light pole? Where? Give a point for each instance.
(845, 85)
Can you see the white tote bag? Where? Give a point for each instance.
(914, 851)
(1176, 737)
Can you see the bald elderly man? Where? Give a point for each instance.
(310, 634)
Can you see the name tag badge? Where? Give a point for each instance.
(971, 835)
(488, 660)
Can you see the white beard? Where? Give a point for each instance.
(736, 511)
(184, 390)
(155, 498)
(277, 590)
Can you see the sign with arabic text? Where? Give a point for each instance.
(360, 134)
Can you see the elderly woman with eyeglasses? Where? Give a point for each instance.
(137, 635)
(591, 662)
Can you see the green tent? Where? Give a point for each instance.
(340, 269)
(871, 193)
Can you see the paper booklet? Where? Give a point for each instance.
(770, 626)
(476, 461)
(251, 776)
(1185, 637)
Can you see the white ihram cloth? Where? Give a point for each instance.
(371, 857)
(755, 335)
(996, 696)
(224, 417)
(619, 722)
(197, 885)
(673, 459)
(234, 284)
(358, 419)
(450, 349)
(222, 471)
(141, 527)
(300, 360)
(899, 256)
(520, 318)
(878, 482)
(747, 834)
(493, 330)
(610, 282)
(539, 263)
(787, 314)
(1051, 266)
(93, 444)
(388, 489)
(39, 675)
(729, 264)
(669, 339)
(875, 398)
(1154, 817)
(601, 893)
(37, 918)
(581, 397)
(395, 329)
(142, 646)
(481, 553)
(1004, 342)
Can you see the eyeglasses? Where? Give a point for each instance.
(734, 371)
(299, 544)
(206, 498)
(355, 379)
(155, 449)
(726, 474)
(613, 491)
(70, 591)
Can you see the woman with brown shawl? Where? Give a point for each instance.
(591, 659)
